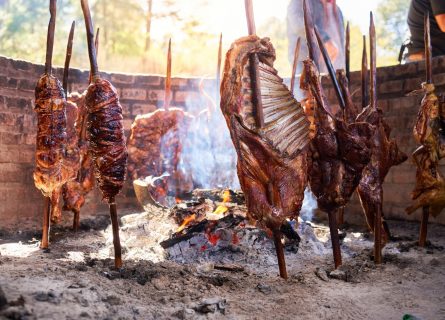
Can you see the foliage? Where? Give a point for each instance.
(124, 34)
(391, 29)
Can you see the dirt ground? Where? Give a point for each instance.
(75, 279)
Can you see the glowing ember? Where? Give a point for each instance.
(221, 209)
(186, 222)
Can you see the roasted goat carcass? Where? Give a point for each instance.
(70, 160)
(155, 147)
(75, 190)
(430, 184)
(429, 132)
(155, 150)
(271, 158)
(339, 152)
(385, 153)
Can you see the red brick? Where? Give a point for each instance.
(179, 83)
(139, 108)
(156, 95)
(133, 94)
(391, 86)
(185, 96)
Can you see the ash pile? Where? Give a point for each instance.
(211, 227)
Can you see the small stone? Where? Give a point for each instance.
(211, 305)
(85, 314)
(338, 274)
(264, 288)
(322, 274)
(158, 283)
(112, 300)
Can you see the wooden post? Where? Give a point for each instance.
(378, 236)
(331, 70)
(364, 74)
(348, 52)
(168, 78)
(294, 66)
(69, 51)
(333, 228)
(46, 223)
(116, 240)
(280, 253)
(424, 226)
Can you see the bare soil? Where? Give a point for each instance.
(76, 279)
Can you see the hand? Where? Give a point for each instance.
(332, 50)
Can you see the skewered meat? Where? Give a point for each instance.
(106, 137)
(430, 183)
(385, 154)
(75, 191)
(70, 161)
(272, 159)
(339, 150)
(51, 135)
(155, 147)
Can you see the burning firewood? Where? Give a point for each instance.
(385, 154)
(155, 146)
(341, 147)
(49, 174)
(269, 131)
(105, 135)
(429, 193)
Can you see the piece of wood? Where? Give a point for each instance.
(96, 45)
(251, 28)
(254, 69)
(428, 49)
(69, 51)
(373, 76)
(50, 37)
(310, 37)
(331, 70)
(341, 216)
(76, 220)
(143, 195)
(424, 226)
(294, 65)
(378, 236)
(280, 253)
(348, 52)
(335, 240)
(168, 78)
(116, 240)
(46, 223)
(94, 69)
(218, 71)
(364, 74)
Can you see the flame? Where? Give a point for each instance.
(221, 209)
(186, 222)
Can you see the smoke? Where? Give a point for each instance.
(209, 152)
(309, 205)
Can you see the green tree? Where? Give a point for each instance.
(391, 29)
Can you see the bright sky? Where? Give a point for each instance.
(229, 15)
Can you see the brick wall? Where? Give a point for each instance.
(21, 204)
